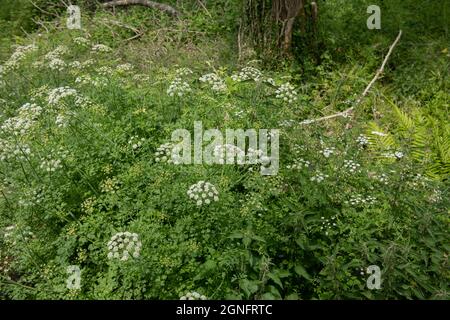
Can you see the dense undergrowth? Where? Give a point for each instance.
(86, 116)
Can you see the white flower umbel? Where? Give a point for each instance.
(55, 95)
(182, 72)
(216, 82)
(362, 140)
(193, 296)
(100, 48)
(12, 150)
(228, 153)
(17, 126)
(178, 87)
(203, 193)
(299, 164)
(57, 53)
(105, 71)
(382, 178)
(57, 64)
(135, 142)
(328, 224)
(358, 200)
(319, 177)
(124, 246)
(327, 152)
(30, 111)
(287, 93)
(86, 79)
(123, 68)
(351, 166)
(83, 42)
(53, 161)
(248, 73)
(164, 153)
(20, 54)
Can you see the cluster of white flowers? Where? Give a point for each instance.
(75, 65)
(98, 48)
(29, 198)
(358, 199)
(63, 119)
(351, 166)
(248, 73)
(21, 124)
(55, 95)
(50, 165)
(193, 296)
(55, 62)
(164, 153)
(56, 53)
(86, 79)
(13, 150)
(126, 67)
(257, 158)
(19, 54)
(88, 205)
(178, 87)
(396, 155)
(12, 234)
(319, 177)
(383, 178)
(228, 153)
(17, 125)
(135, 142)
(286, 92)
(105, 71)
(216, 82)
(362, 140)
(124, 245)
(299, 164)
(203, 193)
(182, 72)
(327, 224)
(141, 77)
(110, 185)
(327, 152)
(82, 41)
(436, 196)
(53, 162)
(30, 110)
(87, 63)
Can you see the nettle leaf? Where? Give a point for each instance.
(302, 272)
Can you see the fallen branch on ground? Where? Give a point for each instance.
(151, 4)
(348, 111)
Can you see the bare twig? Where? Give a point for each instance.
(348, 111)
(42, 10)
(147, 3)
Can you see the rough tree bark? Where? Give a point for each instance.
(151, 4)
(270, 23)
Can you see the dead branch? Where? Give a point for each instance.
(151, 4)
(348, 111)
